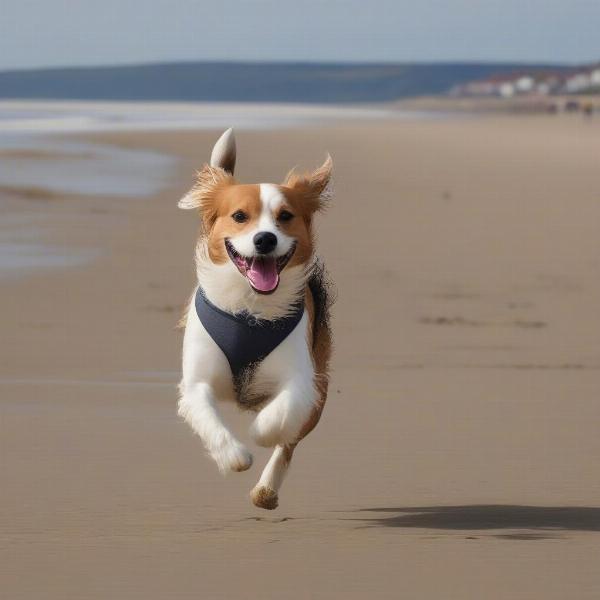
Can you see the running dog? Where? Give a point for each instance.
(257, 327)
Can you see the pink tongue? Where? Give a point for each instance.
(263, 274)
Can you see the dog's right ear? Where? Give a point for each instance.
(218, 173)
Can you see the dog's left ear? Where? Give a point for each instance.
(315, 186)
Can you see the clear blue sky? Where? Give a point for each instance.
(84, 32)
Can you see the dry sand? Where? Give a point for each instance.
(459, 453)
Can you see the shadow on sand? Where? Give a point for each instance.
(491, 516)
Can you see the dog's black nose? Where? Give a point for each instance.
(265, 241)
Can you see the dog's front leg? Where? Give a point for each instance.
(284, 417)
(197, 406)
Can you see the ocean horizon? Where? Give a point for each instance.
(288, 82)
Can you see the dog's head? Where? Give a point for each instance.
(256, 230)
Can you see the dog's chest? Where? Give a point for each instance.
(289, 361)
(243, 338)
(252, 389)
(257, 384)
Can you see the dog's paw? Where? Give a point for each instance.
(232, 456)
(264, 497)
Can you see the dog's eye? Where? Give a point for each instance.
(239, 216)
(285, 216)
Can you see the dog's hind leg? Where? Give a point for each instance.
(265, 492)
(197, 406)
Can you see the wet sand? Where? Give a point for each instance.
(459, 454)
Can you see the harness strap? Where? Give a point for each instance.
(244, 339)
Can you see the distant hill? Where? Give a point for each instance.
(248, 82)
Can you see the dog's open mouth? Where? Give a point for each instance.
(261, 271)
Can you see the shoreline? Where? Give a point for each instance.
(87, 116)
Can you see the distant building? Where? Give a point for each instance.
(524, 84)
(577, 83)
(506, 90)
(543, 82)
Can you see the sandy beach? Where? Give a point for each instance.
(458, 456)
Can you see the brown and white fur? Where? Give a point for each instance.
(287, 390)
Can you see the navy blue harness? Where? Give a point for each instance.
(244, 339)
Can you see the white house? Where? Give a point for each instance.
(577, 83)
(506, 89)
(524, 84)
